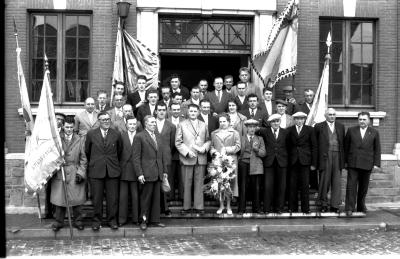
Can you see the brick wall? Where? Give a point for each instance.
(104, 31)
(387, 31)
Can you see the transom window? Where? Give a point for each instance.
(352, 80)
(65, 39)
(207, 34)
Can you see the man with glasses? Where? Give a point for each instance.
(87, 119)
(103, 148)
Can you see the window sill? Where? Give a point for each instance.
(353, 114)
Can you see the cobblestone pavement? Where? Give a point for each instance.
(360, 242)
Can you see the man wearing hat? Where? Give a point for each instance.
(275, 164)
(286, 119)
(305, 106)
(250, 165)
(289, 98)
(303, 158)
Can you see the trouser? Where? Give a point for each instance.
(243, 171)
(60, 214)
(274, 187)
(255, 183)
(150, 202)
(49, 207)
(193, 175)
(299, 179)
(128, 189)
(330, 179)
(357, 178)
(176, 180)
(110, 185)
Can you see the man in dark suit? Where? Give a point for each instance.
(150, 166)
(166, 130)
(138, 98)
(363, 155)
(275, 164)
(267, 103)
(177, 176)
(205, 116)
(305, 105)
(103, 148)
(176, 87)
(253, 112)
(241, 98)
(330, 138)
(303, 158)
(165, 96)
(218, 98)
(102, 104)
(150, 107)
(289, 98)
(128, 185)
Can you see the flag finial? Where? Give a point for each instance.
(46, 63)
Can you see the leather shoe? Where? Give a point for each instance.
(183, 212)
(335, 210)
(56, 227)
(349, 213)
(143, 226)
(79, 226)
(113, 226)
(96, 227)
(167, 212)
(121, 224)
(324, 209)
(160, 225)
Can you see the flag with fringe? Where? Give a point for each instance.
(45, 154)
(320, 103)
(133, 58)
(279, 58)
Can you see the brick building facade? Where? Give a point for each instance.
(145, 23)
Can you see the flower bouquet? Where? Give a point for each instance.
(221, 171)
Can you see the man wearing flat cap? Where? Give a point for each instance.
(250, 166)
(302, 158)
(286, 119)
(289, 98)
(275, 164)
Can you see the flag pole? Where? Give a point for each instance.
(39, 208)
(46, 67)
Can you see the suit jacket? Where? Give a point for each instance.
(256, 163)
(186, 136)
(302, 107)
(133, 99)
(263, 107)
(75, 163)
(184, 91)
(362, 153)
(218, 106)
(82, 123)
(275, 148)
(128, 172)
(143, 111)
(261, 116)
(106, 108)
(241, 106)
(213, 123)
(290, 107)
(167, 138)
(303, 147)
(174, 151)
(321, 132)
(113, 115)
(148, 160)
(103, 155)
(251, 89)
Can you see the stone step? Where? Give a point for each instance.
(387, 192)
(381, 184)
(381, 176)
(379, 199)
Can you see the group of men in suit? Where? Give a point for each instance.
(149, 135)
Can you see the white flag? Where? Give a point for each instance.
(44, 154)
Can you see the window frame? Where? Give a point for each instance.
(346, 62)
(61, 45)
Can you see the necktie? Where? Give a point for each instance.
(154, 139)
(105, 134)
(131, 137)
(252, 113)
(251, 141)
(276, 133)
(219, 96)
